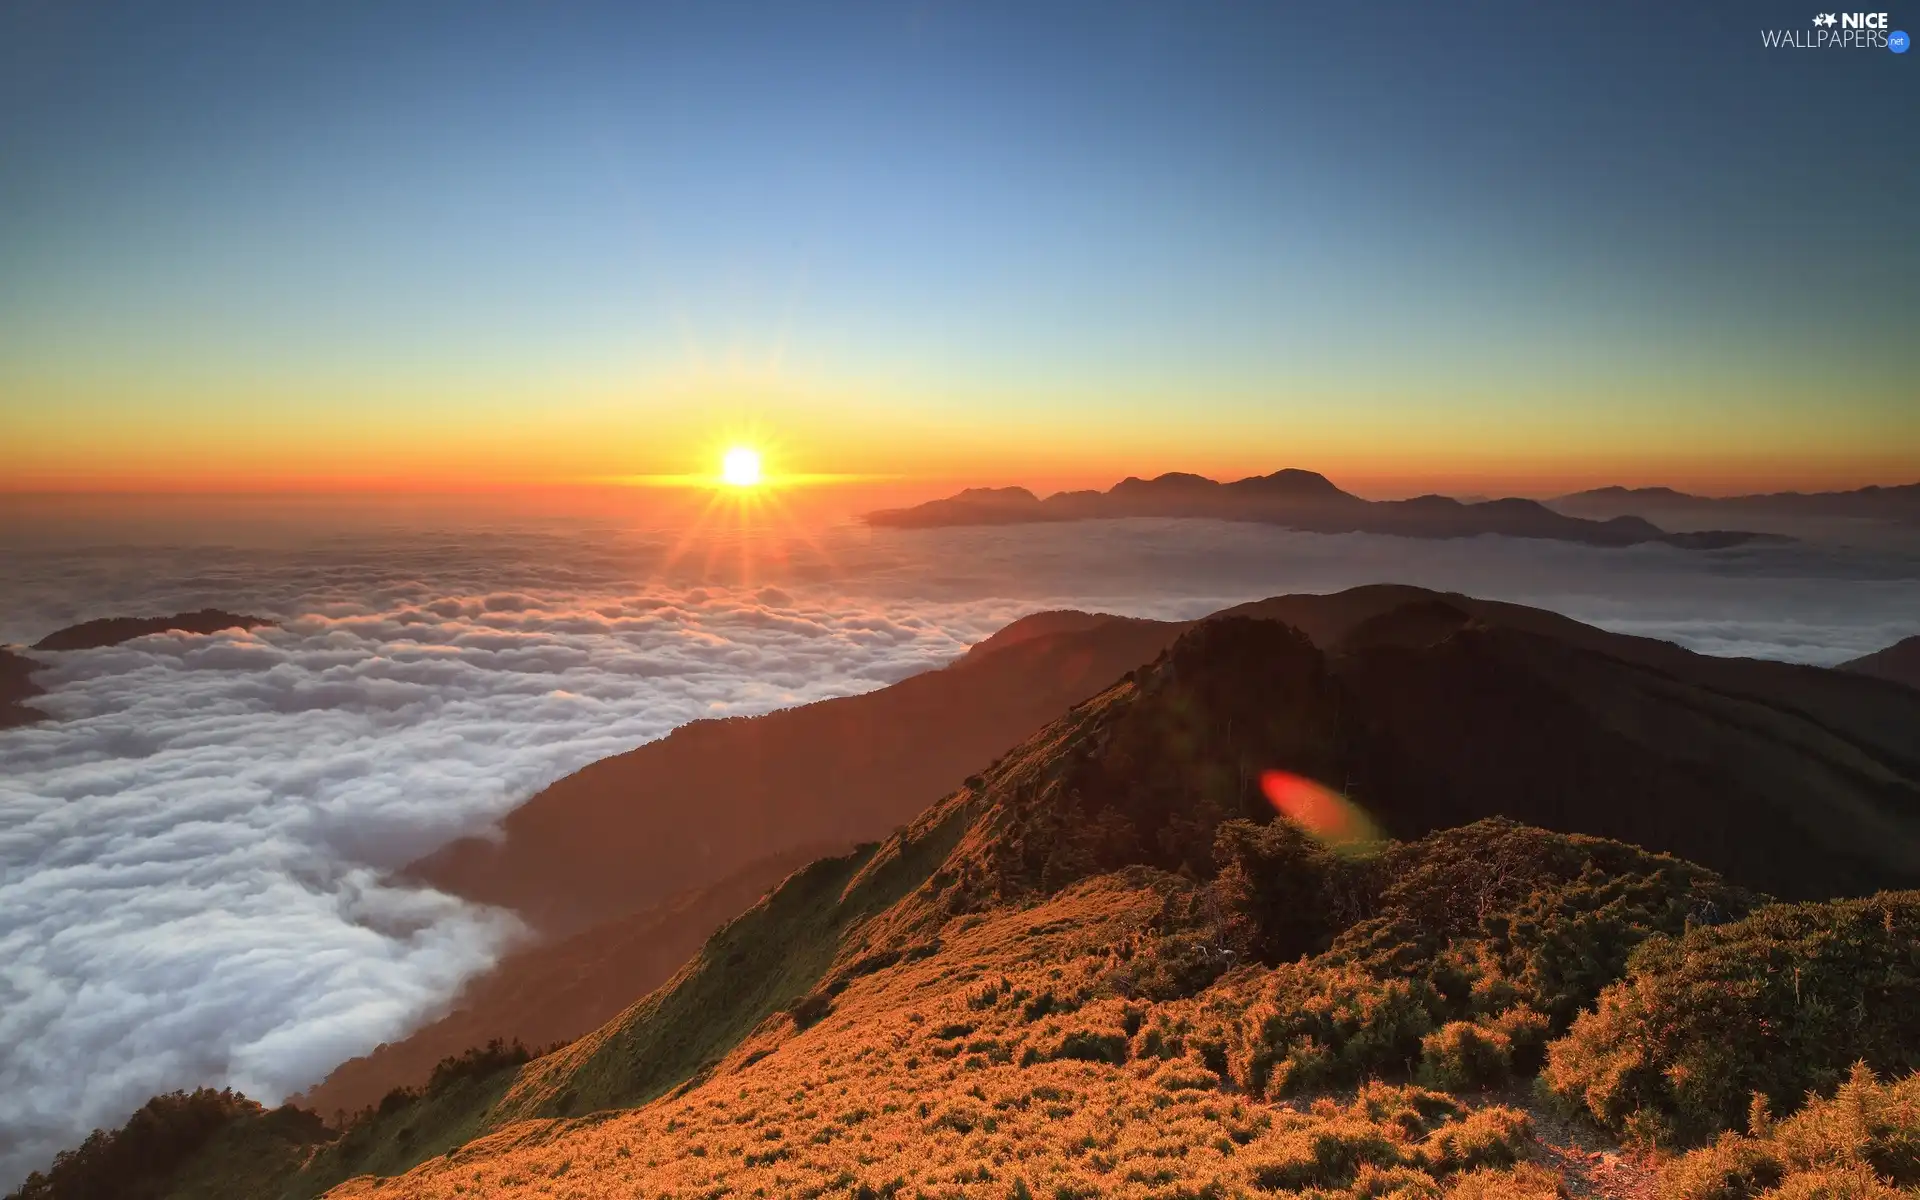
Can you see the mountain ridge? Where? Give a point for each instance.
(1898, 502)
(1111, 918)
(1356, 626)
(1299, 499)
(589, 848)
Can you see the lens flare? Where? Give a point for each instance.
(1321, 811)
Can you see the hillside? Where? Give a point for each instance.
(1300, 500)
(1899, 662)
(1525, 713)
(710, 798)
(1102, 967)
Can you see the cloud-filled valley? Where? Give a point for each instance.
(194, 851)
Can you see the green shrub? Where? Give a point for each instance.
(477, 1062)
(136, 1161)
(1461, 1055)
(1284, 894)
(810, 1009)
(1864, 1142)
(1390, 1141)
(1495, 915)
(1312, 1026)
(1526, 1032)
(1780, 1003)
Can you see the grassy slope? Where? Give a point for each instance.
(920, 922)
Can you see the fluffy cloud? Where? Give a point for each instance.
(193, 855)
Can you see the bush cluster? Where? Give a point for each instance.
(1862, 1143)
(136, 1161)
(1780, 1003)
(1455, 957)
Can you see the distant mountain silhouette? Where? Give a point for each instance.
(1297, 499)
(16, 686)
(713, 796)
(1900, 503)
(111, 631)
(1899, 662)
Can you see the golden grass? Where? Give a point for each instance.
(1861, 1144)
(1005, 1066)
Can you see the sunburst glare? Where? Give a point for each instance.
(740, 467)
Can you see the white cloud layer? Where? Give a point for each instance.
(192, 855)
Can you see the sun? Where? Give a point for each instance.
(740, 467)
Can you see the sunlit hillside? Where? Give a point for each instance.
(1106, 967)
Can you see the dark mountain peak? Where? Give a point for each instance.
(1039, 625)
(1290, 483)
(999, 495)
(1899, 662)
(1512, 504)
(112, 631)
(1423, 622)
(1171, 481)
(1615, 491)
(1635, 526)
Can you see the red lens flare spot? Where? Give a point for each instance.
(1321, 811)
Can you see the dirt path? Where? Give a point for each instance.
(1592, 1164)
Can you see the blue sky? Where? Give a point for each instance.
(949, 236)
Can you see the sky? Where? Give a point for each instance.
(1480, 248)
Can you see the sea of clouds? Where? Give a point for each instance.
(195, 853)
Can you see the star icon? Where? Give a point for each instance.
(1826, 19)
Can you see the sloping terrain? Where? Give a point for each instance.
(710, 798)
(1899, 662)
(1473, 708)
(1102, 967)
